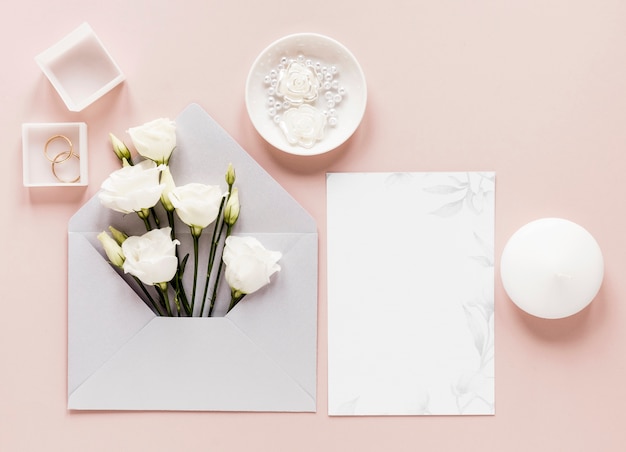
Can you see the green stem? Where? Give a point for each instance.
(196, 239)
(177, 303)
(235, 297)
(217, 232)
(157, 222)
(165, 297)
(154, 304)
(177, 285)
(217, 277)
(146, 222)
(172, 223)
(181, 296)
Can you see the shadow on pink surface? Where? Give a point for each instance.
(569, 329)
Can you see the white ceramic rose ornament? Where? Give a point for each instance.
(303, 125)
(298, 83)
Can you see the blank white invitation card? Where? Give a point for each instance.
(410, 293)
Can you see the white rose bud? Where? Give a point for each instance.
(168, 181)
(118, 235)
(112, 249)
(231, 211)
(151, 257)
(248, 264)
(120, 148)
(197, 205)
(230, 175)
(155, 140)
(132, 188)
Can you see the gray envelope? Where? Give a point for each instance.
(261, 356)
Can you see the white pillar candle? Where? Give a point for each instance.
(552, 268)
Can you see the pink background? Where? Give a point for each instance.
(534, 90)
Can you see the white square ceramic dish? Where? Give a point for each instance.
(80, 68)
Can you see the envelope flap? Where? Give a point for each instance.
(278, 318)
(169, 374)
(204, 150)
(120, 313)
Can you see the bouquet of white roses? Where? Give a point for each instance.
(147, 189)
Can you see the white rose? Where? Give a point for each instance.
(303, 125)
(298, 83)
(132, 188)
(155, 140)
(151, 257)
(197, 205)
(248, 264)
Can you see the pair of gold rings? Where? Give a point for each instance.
(61, 157)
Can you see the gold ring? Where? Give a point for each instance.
(68, 154)
(62, 157)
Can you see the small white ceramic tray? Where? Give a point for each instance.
(319, 80)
